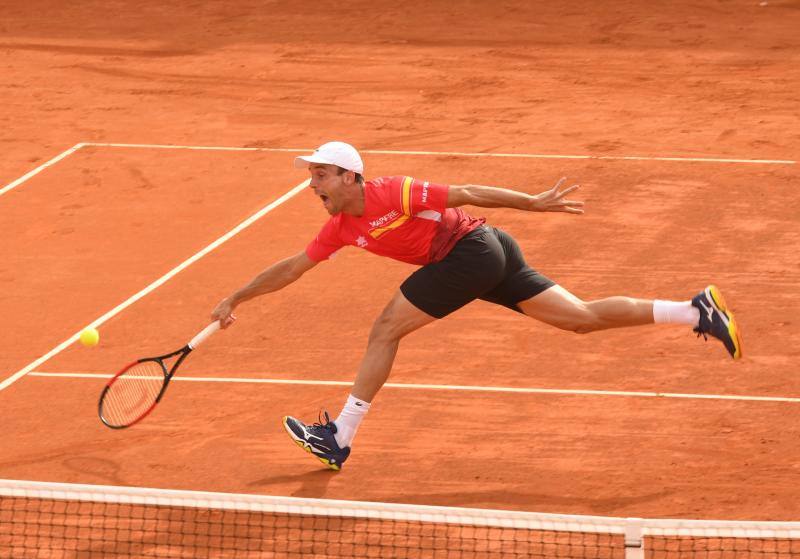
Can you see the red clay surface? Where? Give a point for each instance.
(716, 80)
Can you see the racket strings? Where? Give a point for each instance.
(133, 393)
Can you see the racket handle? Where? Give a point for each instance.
(204, 335)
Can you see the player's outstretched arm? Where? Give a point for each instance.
(553, 200)
(276, 277)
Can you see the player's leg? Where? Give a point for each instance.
(472, 267)
(707, 313)
(397, 320)
(330, 440)
(527, 291)
(560, 308)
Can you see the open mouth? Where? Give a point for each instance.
(323, 198)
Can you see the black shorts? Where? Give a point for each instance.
(485, 264)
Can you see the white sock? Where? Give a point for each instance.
(348, 421)
(673, 312)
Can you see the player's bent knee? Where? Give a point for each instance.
(385, 329)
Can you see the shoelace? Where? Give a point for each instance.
(701, 333)
(320, 425)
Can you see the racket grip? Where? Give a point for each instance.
(204, 335)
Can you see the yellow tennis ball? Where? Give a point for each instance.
(90, 337)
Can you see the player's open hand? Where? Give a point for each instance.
(554, 200)
(224, 313)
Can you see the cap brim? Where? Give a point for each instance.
(303, 161)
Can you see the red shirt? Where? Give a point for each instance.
(405, 219)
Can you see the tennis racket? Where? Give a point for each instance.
(133, 392)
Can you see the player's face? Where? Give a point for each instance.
(329, 186)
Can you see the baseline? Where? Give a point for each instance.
(462, 154)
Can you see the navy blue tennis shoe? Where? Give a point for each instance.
(716, 319)
(318, 439)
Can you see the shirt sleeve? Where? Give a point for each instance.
(421, 197)
(325, 243)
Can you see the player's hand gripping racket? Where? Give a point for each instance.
(134, 391)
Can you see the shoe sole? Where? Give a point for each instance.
(718, 301)
(302, 444)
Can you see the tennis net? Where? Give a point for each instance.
(56, 520)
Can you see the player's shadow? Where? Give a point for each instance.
(314, 484)
(101, 468)
(502, 498)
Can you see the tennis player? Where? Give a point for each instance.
(461, 259)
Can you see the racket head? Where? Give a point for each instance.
(133, 393)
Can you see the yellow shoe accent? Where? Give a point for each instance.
(719, 300)
(733, 329)
(333, 467)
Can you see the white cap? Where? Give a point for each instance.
(333, 153)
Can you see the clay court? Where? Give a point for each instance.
(680, 122)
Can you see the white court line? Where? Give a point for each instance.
(160, 281)
(502, 389)
(40, 168)
(464, 154)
